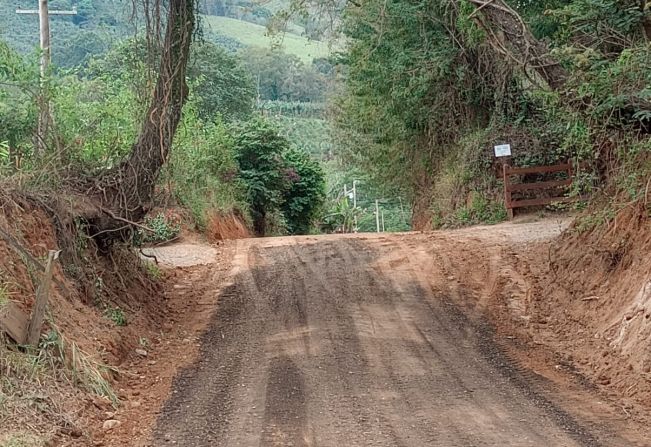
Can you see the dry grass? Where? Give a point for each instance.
(4, 295)
(40, 390)
(21, 439)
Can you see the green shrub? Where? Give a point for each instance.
(202, 171)
(153, 271)
(165, 228)
(116, 315)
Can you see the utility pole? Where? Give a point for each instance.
(355, 204)
(377, 216)
(44, 26)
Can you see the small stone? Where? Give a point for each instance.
(141, 352)
(110, 424)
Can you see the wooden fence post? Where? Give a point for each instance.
(42, 296)
(507, 190)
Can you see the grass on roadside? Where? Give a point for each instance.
(4, 295)
(20, 440)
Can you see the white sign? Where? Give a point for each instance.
(503, 150)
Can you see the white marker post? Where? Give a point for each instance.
(377, 216)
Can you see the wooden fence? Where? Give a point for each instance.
(552, 186)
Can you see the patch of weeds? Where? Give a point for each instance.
(153, 271)
(165, 228)
(480, 211)
(588, 222)
(4, 295)
(462, 216)
(72, 270)
(21, 440)
(99, 284)
(91, 374)
(81, 368)
(143, 342)
(116, 315)
(487, 211)
(17, 366)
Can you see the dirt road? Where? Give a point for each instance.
(344, 341)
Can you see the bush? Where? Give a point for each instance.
(285, 188)
(116, 315)
(202, 172)
(164, 226)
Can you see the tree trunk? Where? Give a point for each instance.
(510, 36)
(126, 192)
(645, 5)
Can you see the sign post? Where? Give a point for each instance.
(501, 151)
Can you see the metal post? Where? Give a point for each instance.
(355, 204)
(382, 221)
(377, 216)
(354, 193)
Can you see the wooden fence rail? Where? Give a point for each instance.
(553, 185)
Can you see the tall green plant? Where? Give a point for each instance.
(259, 148)
(202, 171)
(306, 194)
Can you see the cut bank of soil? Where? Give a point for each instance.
(380, 340)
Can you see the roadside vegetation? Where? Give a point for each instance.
(431, 87)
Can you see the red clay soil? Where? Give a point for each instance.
(226, 226)
(575, 309)
(191, 298)
(593, 303)
(163, 316)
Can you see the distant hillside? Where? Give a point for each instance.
(101, 24)
(250, 34)
(93, 30)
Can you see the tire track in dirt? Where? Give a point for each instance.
(343, 341)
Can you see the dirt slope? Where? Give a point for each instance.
(380, 340)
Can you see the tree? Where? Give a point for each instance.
(80, 48)
(418, 76)
(282, 76)
(510, 36)
(19, 82)
(259, 149)
(223, 86)
(278, 179)
(306, 194)
(125, 192)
